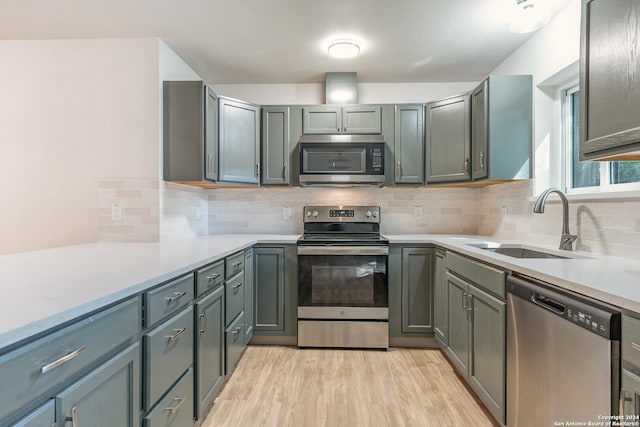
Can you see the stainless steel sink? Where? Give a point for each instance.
(521, 251)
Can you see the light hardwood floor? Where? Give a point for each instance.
(286, 386)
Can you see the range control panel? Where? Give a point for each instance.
(342, 214)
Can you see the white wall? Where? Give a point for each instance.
(73, 112)
(368, 93)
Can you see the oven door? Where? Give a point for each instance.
(343, 282)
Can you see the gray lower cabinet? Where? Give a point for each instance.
(448, 140)
(356, 119)
(108, 396)
(409, 144)
(440, 299)
(190, 131)
(249, 290)
(44, 416)
(609, 79)
(210, 349)
(234, 345)
(275, 145)
(410, 277)
(175, 409)
(239, 141)
(477, 329)
(502, 128)
(275, 278)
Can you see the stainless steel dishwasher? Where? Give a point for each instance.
(563, 356)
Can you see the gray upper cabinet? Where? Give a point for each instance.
(275, 145)
(357, 119)
(190, 132)
(409, 144)
(448, 140)
(502, 128)
(609, 79)
(239, 133)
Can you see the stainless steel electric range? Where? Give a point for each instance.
(343, 292)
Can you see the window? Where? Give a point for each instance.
(591, 176)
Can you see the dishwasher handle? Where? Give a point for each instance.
(548, 303)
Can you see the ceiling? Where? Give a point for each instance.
(284, 41)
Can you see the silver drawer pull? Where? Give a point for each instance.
(237, 285)
(203, 329)
(173, 337)
(237, 264)
(213, 277)
(64, 359)
(176, 296)
(635, 346)
(74, 417)
(236, 330)
(177, 406)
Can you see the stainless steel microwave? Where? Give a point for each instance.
(342, 160)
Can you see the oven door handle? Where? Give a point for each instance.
(343, 250)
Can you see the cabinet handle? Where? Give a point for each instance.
(257, 169)
(213, 277)
(398, 167)
(236, 330)
(466, 165)
(74, 416)
(176, 296)
(284, 172)
(464, 300)
(177, 406)
(209, 162)
(469, 302)
(237, 264)
(203, 329)
(482, 160)
(175, 336)
(635, 346)
(236, 286)
(64, 359)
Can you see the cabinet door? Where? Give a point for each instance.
(417, 290)
(321, 120)
(609, 79)
(479, 129)
(441, 301)
(448, 140)
(239, 142)
(249, 290)
(362, 119)
(270, 287)
(458, 347)
(275, 145)
(106, 397)
(211, 135)
(209, 363)
(488, 352)
(44, 416)
(409, 144)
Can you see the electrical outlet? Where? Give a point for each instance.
(417, 211)
(286, 213)
(116, 212)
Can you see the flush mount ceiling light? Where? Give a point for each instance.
(343, 49)
(528, 16)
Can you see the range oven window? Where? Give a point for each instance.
(342, 281)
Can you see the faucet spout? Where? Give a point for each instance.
(567, 239)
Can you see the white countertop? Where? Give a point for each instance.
(613, 280)
(42, 289)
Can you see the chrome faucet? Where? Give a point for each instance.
(567, 239)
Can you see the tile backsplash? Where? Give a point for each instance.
(404, 210)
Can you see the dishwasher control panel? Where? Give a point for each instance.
(590, 314)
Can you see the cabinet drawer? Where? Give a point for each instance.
(234, 297)
(44, 416)
(167, 299)
(234, 343)
(176, 409)
(234, 264)
(630, 343)
(209, 277)
(37, 367)
(489, 278)
(168, 352)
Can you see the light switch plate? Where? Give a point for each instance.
(116, 212)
